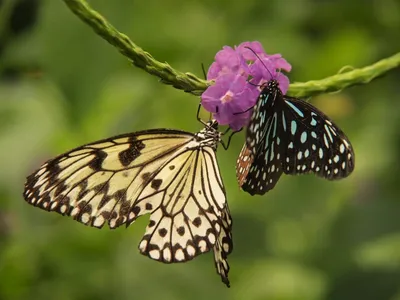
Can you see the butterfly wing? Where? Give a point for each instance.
(243, 164)
(259, 164)
(261, 116)
(289, 135)
(188, 221)
(166, 173)
(259, 174)
(314, 143)
(224, 246)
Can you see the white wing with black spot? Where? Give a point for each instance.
(172, 175)
(224, 246)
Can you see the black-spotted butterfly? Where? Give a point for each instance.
(289, 135)
(172, 175)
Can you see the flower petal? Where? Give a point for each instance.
(247, 53)
(283, 82)
(213, 71)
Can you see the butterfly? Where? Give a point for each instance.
(288, 135)
(172, 175)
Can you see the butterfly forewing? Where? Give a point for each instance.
(171, 174)
(259, 164)
(96, 183)
(261, 116)
(315, 144)
(262, 170)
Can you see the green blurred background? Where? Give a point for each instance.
(61, 85)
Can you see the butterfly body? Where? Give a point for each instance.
(172, 175)
(288, 135)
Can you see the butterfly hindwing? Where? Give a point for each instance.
(258, 173)
(243, 164)
(198, 210)
(224, 246)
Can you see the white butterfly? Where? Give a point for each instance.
(173, 175)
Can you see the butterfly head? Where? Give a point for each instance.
(270, 86)
(273, 84)
(212, 125)
(209, 134)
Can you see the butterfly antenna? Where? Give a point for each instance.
(204, 71)
(198, 115)
(198, 110)
(260, 60)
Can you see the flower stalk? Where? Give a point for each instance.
(194, 85)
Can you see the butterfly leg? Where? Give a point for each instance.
(226, 146)
(243, 112)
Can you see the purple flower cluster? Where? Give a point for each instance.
(239, 75)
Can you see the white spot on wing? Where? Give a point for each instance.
(300, 155)
(154, 254)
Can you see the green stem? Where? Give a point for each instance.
(340, 81)
(192, 84)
